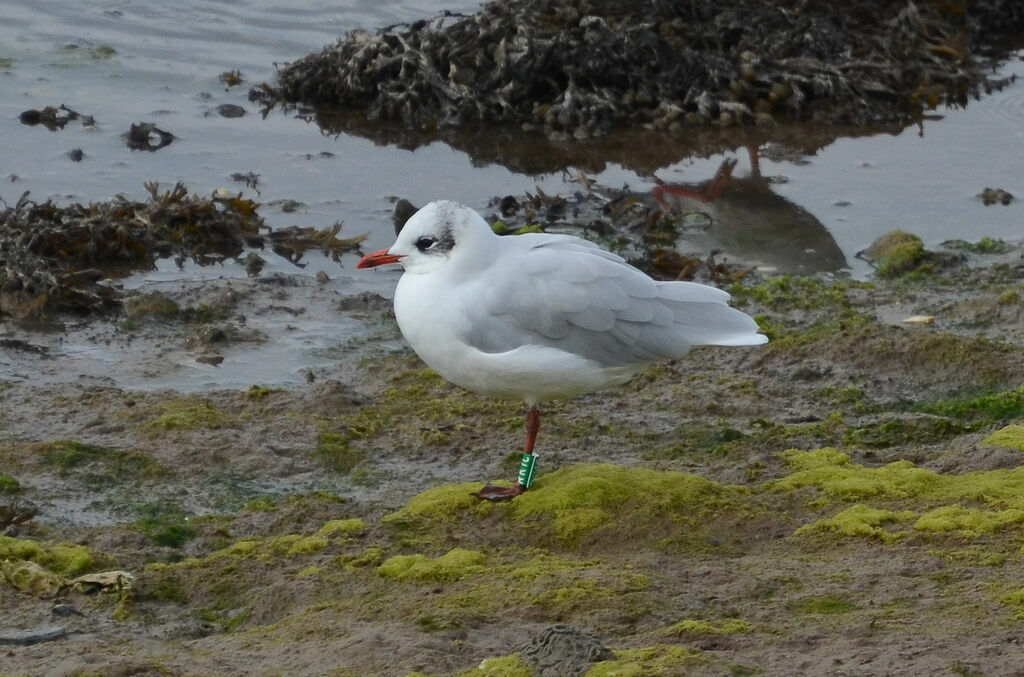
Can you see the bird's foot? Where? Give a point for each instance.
(495, 493)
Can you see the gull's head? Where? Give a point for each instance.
(442, 233)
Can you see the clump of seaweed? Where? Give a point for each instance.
(56, 259)
(576, 70)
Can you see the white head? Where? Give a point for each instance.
(443, 233)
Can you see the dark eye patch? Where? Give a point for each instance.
(424, 243)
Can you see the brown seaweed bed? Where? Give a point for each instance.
(60, 259)
(578, 70)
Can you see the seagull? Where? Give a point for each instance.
(540, 316)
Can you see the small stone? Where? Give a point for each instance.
(44, 633)
(563, 651)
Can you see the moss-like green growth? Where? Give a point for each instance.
(150, 304)
(501, 666)
(790, 292)
(728, 626)
(660, 660)
(1015, 600)
(584, 502)
(344, 527)
(895, 253)
(68, 560)
(187, 413)
(834, 474)
(967, 522)
(372, 556)
(260, 392)
(979, 411)
(337, 453)
(9, 485)
(986, 245)
(452, 566)
(444, 503)
(860, 520)
(823, 604)
(31, 578)
(116, 464)
(895, 430)
(582, 498)
(1011, 436)
(307, 545)
(165, 523)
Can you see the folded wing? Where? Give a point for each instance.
(566, 293)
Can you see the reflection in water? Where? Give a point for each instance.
(748, 221)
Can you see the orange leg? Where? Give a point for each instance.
(492, 492)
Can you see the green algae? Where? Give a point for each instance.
(823, 605)
(1011, 436)
(986, 245)
(791, 292)
(896, 253)
(1015, 600)
(978, 411)
(64, 559)
(893, 430)
(966, 506)
(660, 660)
(728, 626)
(443, 504)
(860, 520)
(832, 472)
(188, 413)
(165, 523)
(372, 556)
(336, 452)
(837, 477)
(98, 466)
(580, 499)
(501, 666)
(345, 527)
(452, 566)
(8, 484)
(152, 304)
(967, 522)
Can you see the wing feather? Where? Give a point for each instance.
(585, 301)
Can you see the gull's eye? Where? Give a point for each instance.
(424, 243)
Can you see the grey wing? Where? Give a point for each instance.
(568, 294)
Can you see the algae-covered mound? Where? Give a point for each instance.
(579, 69)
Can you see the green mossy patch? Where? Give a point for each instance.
(979, 410)
(61, 558)
(583, 503)
(727, 626)
(452, 566)
(8, 484)
(1011, 436)
(861, 520)
(500, 666)
(187, 413)
(966, 506)
(578, 501)
(99, 466)
(896, 253)
(661, 660)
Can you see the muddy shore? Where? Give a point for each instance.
(843, 501)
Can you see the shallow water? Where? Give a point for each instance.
(129, 62)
